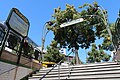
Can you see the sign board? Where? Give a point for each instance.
(18, 22)
(72, 22)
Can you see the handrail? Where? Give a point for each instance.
(54, 67)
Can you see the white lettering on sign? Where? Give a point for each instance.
(72, 22)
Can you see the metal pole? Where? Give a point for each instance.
(44, 34)
(106, 24)
(2, 47)
(20, 51)
(43, 41)
(59, 71)
(15, 76)
(68, 67)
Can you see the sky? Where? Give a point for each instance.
(39, 12)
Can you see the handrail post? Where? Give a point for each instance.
(4, 41)
(54, 67)
(68, 67)
(59, 71)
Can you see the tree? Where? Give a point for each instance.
(53, 54)
(97, 54)
(12, 41)
(107, 42)
(82, 34)
(28, 49)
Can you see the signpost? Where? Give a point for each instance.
(19, 24)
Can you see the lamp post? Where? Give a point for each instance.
(107, 27)
(106, 24)
(44, 34)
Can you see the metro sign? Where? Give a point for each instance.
(17, 22)
(71, 22)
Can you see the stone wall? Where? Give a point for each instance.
(6, 55)
(10, 71)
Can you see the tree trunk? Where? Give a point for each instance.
(77, 61)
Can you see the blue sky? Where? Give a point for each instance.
(40, 11)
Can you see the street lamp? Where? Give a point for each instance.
(44, 33)
(71, 22)
(82, 20)
(107, 27)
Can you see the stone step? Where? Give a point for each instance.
(82, 71)
(82, 74)
(80, 68)
(83, 65)
(95, 65)
(97, 71)
(90, 77)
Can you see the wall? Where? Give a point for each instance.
(11, 72)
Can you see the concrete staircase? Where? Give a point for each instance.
(97, 71)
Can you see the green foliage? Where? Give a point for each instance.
(81, 34)
(53, 54)
(97, 55)
(107, 43)
(13, 41)
(28, 49)
(116, 36)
